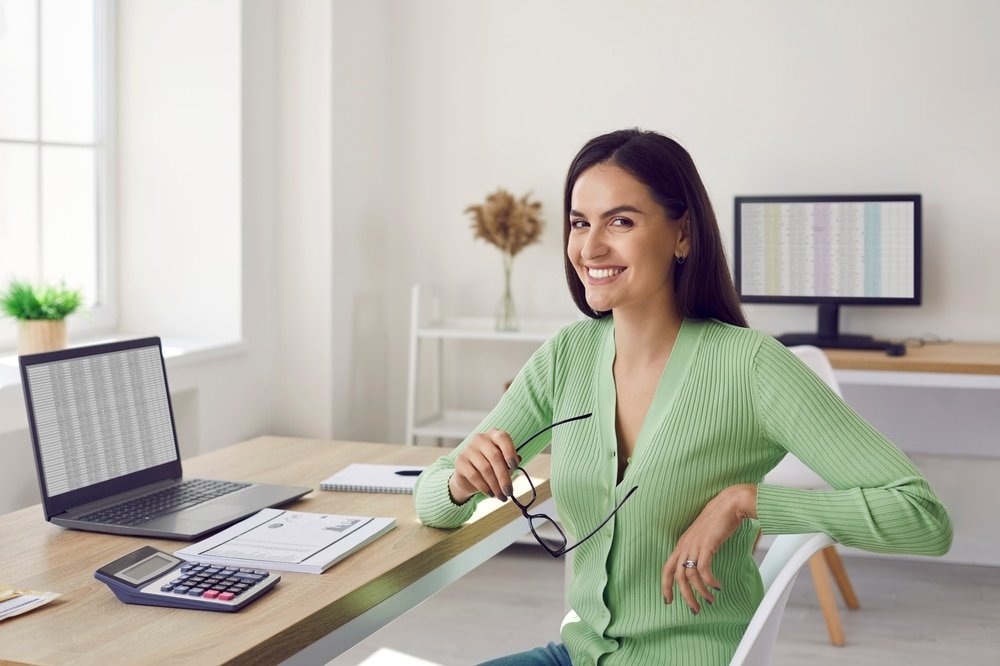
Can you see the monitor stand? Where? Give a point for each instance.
(828, 336)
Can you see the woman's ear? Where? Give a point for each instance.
(683, 248)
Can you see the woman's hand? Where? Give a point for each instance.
(484, 466)
(699, 543)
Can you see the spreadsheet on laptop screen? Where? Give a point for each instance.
(101, 417)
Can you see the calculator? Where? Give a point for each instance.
(153, 578)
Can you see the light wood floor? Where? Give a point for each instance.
(912, 612)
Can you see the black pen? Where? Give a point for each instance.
(409, 472)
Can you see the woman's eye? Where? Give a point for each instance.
(621, 222)
(577, 224)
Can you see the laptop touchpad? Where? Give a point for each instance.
(215, 513)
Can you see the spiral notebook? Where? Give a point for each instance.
(370, 478)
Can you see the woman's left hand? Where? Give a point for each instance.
(699, 543)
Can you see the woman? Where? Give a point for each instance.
(690, 410)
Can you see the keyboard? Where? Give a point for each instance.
(139, 510)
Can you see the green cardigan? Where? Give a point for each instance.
(730, 403)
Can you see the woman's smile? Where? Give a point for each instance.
(598, 275)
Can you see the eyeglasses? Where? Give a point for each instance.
(559, 545)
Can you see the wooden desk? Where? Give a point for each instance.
(308, 617)
(945, 365)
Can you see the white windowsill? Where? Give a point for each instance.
(177, 352)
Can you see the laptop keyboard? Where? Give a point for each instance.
(169, 500)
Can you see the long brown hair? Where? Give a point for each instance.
(703, 287)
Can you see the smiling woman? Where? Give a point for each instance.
(656, 170)
(690, 409)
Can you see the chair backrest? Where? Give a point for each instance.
(792, 472)
(816, 359)
(779, 570)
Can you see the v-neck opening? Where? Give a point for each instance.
(664, 396)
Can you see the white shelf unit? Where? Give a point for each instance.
(428, 327)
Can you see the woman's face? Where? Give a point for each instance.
(622, 243)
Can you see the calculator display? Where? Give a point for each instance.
(146, 568)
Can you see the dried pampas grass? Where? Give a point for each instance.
(509, 223)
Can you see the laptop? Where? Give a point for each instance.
(106, 450)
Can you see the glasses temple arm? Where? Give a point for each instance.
(603, 522)
(550, 427)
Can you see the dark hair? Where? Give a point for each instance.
(703, 287)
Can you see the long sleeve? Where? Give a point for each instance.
(879, 502)
(524, 409)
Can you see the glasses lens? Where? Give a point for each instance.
(531, 498)
(547, 531)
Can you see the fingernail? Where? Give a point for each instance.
(508, 490)
(503, 498)
(512, 463)
(717, 589)
(665, 600)
(709, 602)
(519, 459)
(694, 612)
(490, 493)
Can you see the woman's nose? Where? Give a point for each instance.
(594, 246)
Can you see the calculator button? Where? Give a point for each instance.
(231, 579)
(246, 570)
(167, 587)
(181, 589)
(227, 572)
(261, 573)
(210, 594)
(196, 591)
(226, 596)
(218, 588)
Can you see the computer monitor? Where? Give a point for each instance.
(829, 251)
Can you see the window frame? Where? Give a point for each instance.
(102, 316)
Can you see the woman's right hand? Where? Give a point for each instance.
(484, 466)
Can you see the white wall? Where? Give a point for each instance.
(179, 166)
(303, 229)
(365, 213)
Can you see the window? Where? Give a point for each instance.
(55, 89)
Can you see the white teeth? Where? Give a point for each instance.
(600, 273)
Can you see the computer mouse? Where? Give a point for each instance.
(895, 348)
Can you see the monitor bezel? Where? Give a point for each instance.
(915, 199)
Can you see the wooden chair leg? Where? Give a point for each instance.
(840, 575)
(827, 602)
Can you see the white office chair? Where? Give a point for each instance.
(792, 472)
(779, 570)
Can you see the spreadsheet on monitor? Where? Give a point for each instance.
(827, 249)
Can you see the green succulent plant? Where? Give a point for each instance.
(24, 301)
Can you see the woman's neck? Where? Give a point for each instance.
(647, 336)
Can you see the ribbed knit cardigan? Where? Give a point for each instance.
(730, 403)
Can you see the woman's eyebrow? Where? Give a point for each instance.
(614, 211)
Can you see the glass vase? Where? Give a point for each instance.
(506, 312)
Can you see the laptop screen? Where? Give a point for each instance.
(100, 416)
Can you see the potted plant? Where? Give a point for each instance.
(41, 312)
(510, 224)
